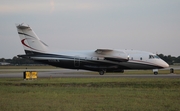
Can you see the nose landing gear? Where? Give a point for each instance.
(155, 71)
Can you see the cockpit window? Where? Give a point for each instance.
(156, 57)
(153, 56)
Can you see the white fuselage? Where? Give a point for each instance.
(135, 59)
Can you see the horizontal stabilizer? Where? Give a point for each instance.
(22, 26)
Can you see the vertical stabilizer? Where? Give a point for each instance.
(30, 41)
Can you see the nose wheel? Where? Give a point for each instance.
(155, 71)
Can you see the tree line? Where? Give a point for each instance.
(169, 59)
(21, 61)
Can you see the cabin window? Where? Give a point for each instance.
(141, 58)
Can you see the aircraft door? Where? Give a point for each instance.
(76, 61)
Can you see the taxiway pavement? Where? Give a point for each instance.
(66, 73)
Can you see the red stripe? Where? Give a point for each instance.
(22, 41)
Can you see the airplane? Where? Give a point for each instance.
(99, 60)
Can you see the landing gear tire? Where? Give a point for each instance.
(155, 73)
(101, 72)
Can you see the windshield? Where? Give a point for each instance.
(153, 57)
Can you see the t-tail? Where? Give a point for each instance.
(30, 41)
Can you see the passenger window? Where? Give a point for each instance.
(141, 58)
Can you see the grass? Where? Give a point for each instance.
(90, 94)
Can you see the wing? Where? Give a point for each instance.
(116, 59)
(113, 55)
(100, 51)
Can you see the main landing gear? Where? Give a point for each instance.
(101, 72)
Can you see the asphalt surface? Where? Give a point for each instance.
(66, 73)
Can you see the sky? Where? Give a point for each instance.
(149, 25)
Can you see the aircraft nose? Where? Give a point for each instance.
(164, 64)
